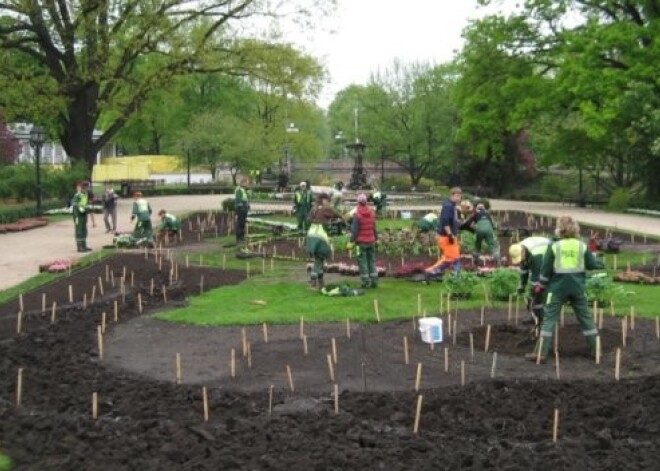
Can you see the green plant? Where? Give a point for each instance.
(603, 290)
(620, 199)
(460, 284)
(229, 205)
(503, 283)
(467, 241)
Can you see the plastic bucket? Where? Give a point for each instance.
(430, 329)
(406, 215)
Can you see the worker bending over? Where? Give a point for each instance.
(449, 250)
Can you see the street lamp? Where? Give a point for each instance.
(290, 128)
(37, 139)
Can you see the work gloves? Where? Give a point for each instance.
(538, 289)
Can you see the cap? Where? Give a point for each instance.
(303, 184)
(362, 198)
(515, 253)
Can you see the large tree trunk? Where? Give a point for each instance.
(78, 137)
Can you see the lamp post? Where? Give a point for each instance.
(37, 139)
(290, 128)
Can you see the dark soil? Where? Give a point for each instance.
(148, 422)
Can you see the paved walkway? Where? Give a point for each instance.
(21, 253)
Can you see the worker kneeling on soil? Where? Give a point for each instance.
(529, 255)
(364, 234)
(142, 211)
(428, 222)
(563, 274)
(170, 225)
(317, 243)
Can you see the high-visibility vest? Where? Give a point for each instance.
(318, 231)
(536, 245)
(81, 200)
(142, 205)
(569, 256)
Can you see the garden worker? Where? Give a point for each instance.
(428, 223)
(302, 204)
(563, 274)
(142, 211)
(80, 205)
(364, 234)
(529, 255)
(317, 243)
(449, 249)
(336, 196)
(484, 228)
(170, 225)
(282, 181)
(110, 208)
(241, 206)
(380, 201)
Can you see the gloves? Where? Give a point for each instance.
(538, 289)
(451, 238)
(350, 245)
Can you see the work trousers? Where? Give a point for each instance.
(110, 215)
(80, 224)
(448, 255)
(241, 220)
(367, 265)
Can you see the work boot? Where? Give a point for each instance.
(319, 282)
(85, 248)
(374, 282)
(80, 247)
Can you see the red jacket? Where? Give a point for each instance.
(363, 229)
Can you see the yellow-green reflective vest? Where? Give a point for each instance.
(569, 256)
(536, 245)
(317, 230)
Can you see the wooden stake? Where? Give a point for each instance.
(348, 328)
(19, 388)
(302, 327)
(617, 364)
(494, 365)
(116, 311)
(99, 341)
(53, 311)
(249, 355)
(21, 307)
(205, 400)
(471, 347)
(232, 364)
(43, 303)
(334, 350)
(265, 330)
(487, 342)
(598, 349)
(454, 330)
(187, 262)
(19, 322)
(406, 358)
(305, 351)
(418, 377)
(539, 353)
(557, 365)
(632, 317)
(288, 372)
(178, 368)
(508, 315)
(132, 279)
(91, 301)
(462, 372)
(139, 298)
(336, 388)
(483, 315)
(376, 310)
(418, 413)
(101, 286)
(624, 330)
(270, 400)
(657, 327)
(95, 405)
(164, 288)
(446, 360)
(331, 368)
(244, 341)
(70, 294)
(555, 426)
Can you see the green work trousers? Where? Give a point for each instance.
(578, 301)
(488, 237)
(303, 222)
(143, 229)
(320, 250)
(80, 224)
(367, 265)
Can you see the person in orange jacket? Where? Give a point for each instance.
(449, 224)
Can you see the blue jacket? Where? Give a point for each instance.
(448, 217)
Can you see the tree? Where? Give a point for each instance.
(9, 147)
(102, 56)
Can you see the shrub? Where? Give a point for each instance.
(602, 290)
(503, 283)
(229, 205)
(619, 200)
(460, 285)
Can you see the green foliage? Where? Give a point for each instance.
(229, 205)
(620, 199)
(5, 462)
(467, 241)
(19, 181)
(15, 212)
(460, 285)
(603, 290)
(503, 283)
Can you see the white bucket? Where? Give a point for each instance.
(406, 215)
(431, 329)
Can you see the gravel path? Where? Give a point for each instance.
(23, 252)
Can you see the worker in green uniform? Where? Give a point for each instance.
(241, 206)
(563, 274)
(481, 223)
(317, 243)
(142, 212)
(302, 204)
(528, 254)
(379, 199)
(170, 225)
(80, 205)
(428, 223)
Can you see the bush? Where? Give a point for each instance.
(619, 200)
(229, 205)
(602, 290)
(14, 213)
(460, 285)
(503, 283)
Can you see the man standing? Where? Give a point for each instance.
(563, 273)
(364, 234)
(302, 203)
(110, 208)
(448, 228)
(142, 211)
(241, 206)
(317, 243)
(529, 255)
(80, 205)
